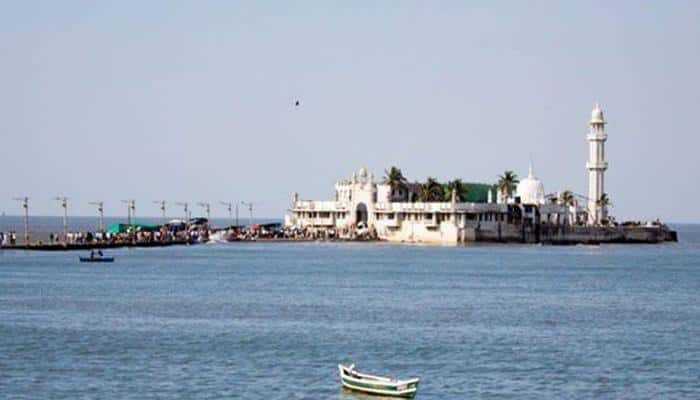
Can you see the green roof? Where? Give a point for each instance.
(479, 192)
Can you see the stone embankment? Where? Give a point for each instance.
(569, 235)
(595, 235)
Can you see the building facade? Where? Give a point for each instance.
(363, 205)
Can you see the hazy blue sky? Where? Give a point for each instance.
(194, 100)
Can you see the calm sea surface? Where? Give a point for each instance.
(272, 321)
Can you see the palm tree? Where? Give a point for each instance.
(431, 191)
(603, 202)
(507, 183)
(456, 186)
(394, 177)
(566, 198)
(424, 193)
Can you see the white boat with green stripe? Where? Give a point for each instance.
(379, 385)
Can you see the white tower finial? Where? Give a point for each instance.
(596, 165)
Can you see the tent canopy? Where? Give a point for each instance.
(123, 228)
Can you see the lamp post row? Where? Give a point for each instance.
(131, 210)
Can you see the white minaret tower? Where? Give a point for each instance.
(596, 164)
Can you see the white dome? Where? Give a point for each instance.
(530, 190)
(597, 115)
(362, 173)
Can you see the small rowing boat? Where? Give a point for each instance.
(379, 385)
(97, 256)
(97, 259)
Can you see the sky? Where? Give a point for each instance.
(194, 101)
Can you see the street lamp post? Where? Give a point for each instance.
(128, 211)
(207, 209)
(25, 205)
(229, 207)
(162, 206)
(101, 210)
(64, 203)
(250, 209)
(186, 208)
(130, 214)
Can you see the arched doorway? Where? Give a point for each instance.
(361, 214)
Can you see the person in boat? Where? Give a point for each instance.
(99, 253)
(92, 253)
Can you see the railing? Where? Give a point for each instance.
(323, 221)
(315, 221)
(320, 205)
(390, 223)
(597, 136)
(597, 165)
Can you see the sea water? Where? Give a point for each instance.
(272, 321)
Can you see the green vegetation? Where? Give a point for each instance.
(566, 198)
(394, 177)
(431, 191)
(457, 186)
(507, 183)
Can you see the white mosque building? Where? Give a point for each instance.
(363, 204)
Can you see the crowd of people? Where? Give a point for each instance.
(108, 237)
(133, 235)
(360, 232)
(130, 234)
(8, 238)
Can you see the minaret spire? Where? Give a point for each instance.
(596, 165)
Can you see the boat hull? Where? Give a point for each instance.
(378, 390)
(377, 385)
(95, 259)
